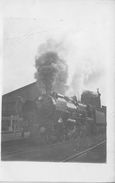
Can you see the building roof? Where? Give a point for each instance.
(10, 100)
(19, 89)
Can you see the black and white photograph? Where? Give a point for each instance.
(55, 75)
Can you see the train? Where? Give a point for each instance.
(55, 117)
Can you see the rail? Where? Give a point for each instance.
(83, 152)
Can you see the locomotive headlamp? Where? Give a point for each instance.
(60, 120)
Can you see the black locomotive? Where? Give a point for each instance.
(56, 117)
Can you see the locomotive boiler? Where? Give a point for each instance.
(53, 116)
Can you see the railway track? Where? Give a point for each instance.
(36, 150)
(12, 153)
(82, 153)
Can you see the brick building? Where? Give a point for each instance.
(11, 101)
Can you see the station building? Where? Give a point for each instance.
(11, 101)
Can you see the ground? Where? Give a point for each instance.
(25, 150)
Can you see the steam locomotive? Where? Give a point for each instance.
(55, 116)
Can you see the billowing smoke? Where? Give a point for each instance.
(68, 67)
(52, 70)
(86, 70)
(84, 75)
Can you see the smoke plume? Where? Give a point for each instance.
(68, 68)
(52, 70)
(84, 75)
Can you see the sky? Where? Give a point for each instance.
(83, 29)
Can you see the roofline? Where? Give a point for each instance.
(18, 89)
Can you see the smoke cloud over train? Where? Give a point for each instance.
(52, 70)
(61, 66)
